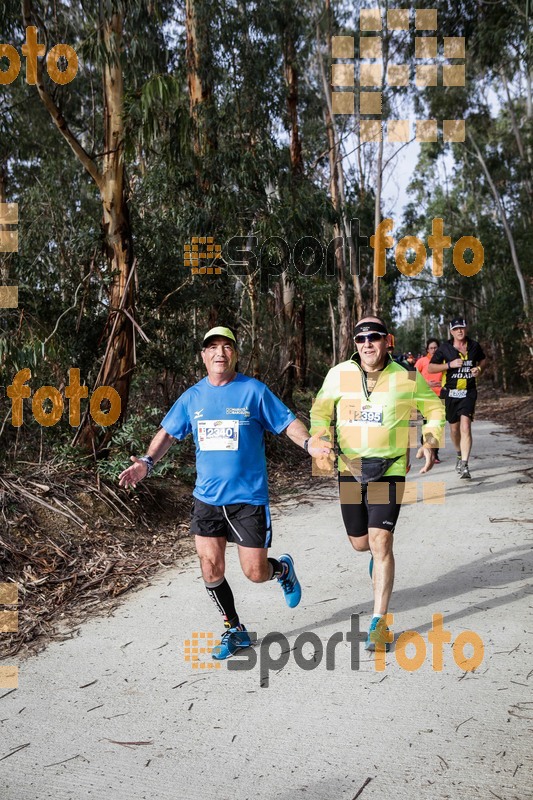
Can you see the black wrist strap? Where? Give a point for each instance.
(149, 461)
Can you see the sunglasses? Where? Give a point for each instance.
(372, 337)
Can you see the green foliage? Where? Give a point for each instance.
(224, 169)
(132, 438)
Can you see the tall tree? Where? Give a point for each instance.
(110, 179)
(337, 194)
(290, 305)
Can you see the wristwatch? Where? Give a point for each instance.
(149, 461)
(306, 445)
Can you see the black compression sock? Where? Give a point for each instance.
(277, 568)
(222, 596)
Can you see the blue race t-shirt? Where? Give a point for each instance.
(227, 423)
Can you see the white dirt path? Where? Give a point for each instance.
(322, 734)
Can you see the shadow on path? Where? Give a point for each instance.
(489, 572)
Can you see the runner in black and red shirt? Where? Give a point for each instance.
(461, 360)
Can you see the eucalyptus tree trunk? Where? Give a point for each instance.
(341, 230)
(291, 78)
(377, 219)
(507, 228)
(253, 299)
(198, 59)
(376, 305)
(524, 154)
(118, 364)
(290, 309)
(336, 176)
(3, 199)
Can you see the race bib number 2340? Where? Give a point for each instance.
(218, 434)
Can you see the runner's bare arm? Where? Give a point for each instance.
(139, 469)
(432, 409)
(480, 369)
(323, 408)
(433, 368)
(317, 446)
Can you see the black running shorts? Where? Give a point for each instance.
(457, 407)
(363, 509)
(247, 525)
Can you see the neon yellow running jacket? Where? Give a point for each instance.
(376, 424)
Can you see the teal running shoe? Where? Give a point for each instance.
(378, 633)
(289, 582)
(232, 640)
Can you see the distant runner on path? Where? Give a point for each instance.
(434, 380)
(372, 398)
(227, 414)
(462, 360)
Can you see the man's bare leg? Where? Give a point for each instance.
(455, 432)
(466, 436)
(379, 541)
(255, 564)
(212, 554)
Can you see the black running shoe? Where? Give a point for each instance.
(465, 472)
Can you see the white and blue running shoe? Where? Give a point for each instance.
(289, 582)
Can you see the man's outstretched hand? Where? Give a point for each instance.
(321, 449)
(428, 453)
(134, 474)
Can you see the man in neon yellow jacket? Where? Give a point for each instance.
(373, 400)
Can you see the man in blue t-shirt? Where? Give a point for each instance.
(227, 414)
